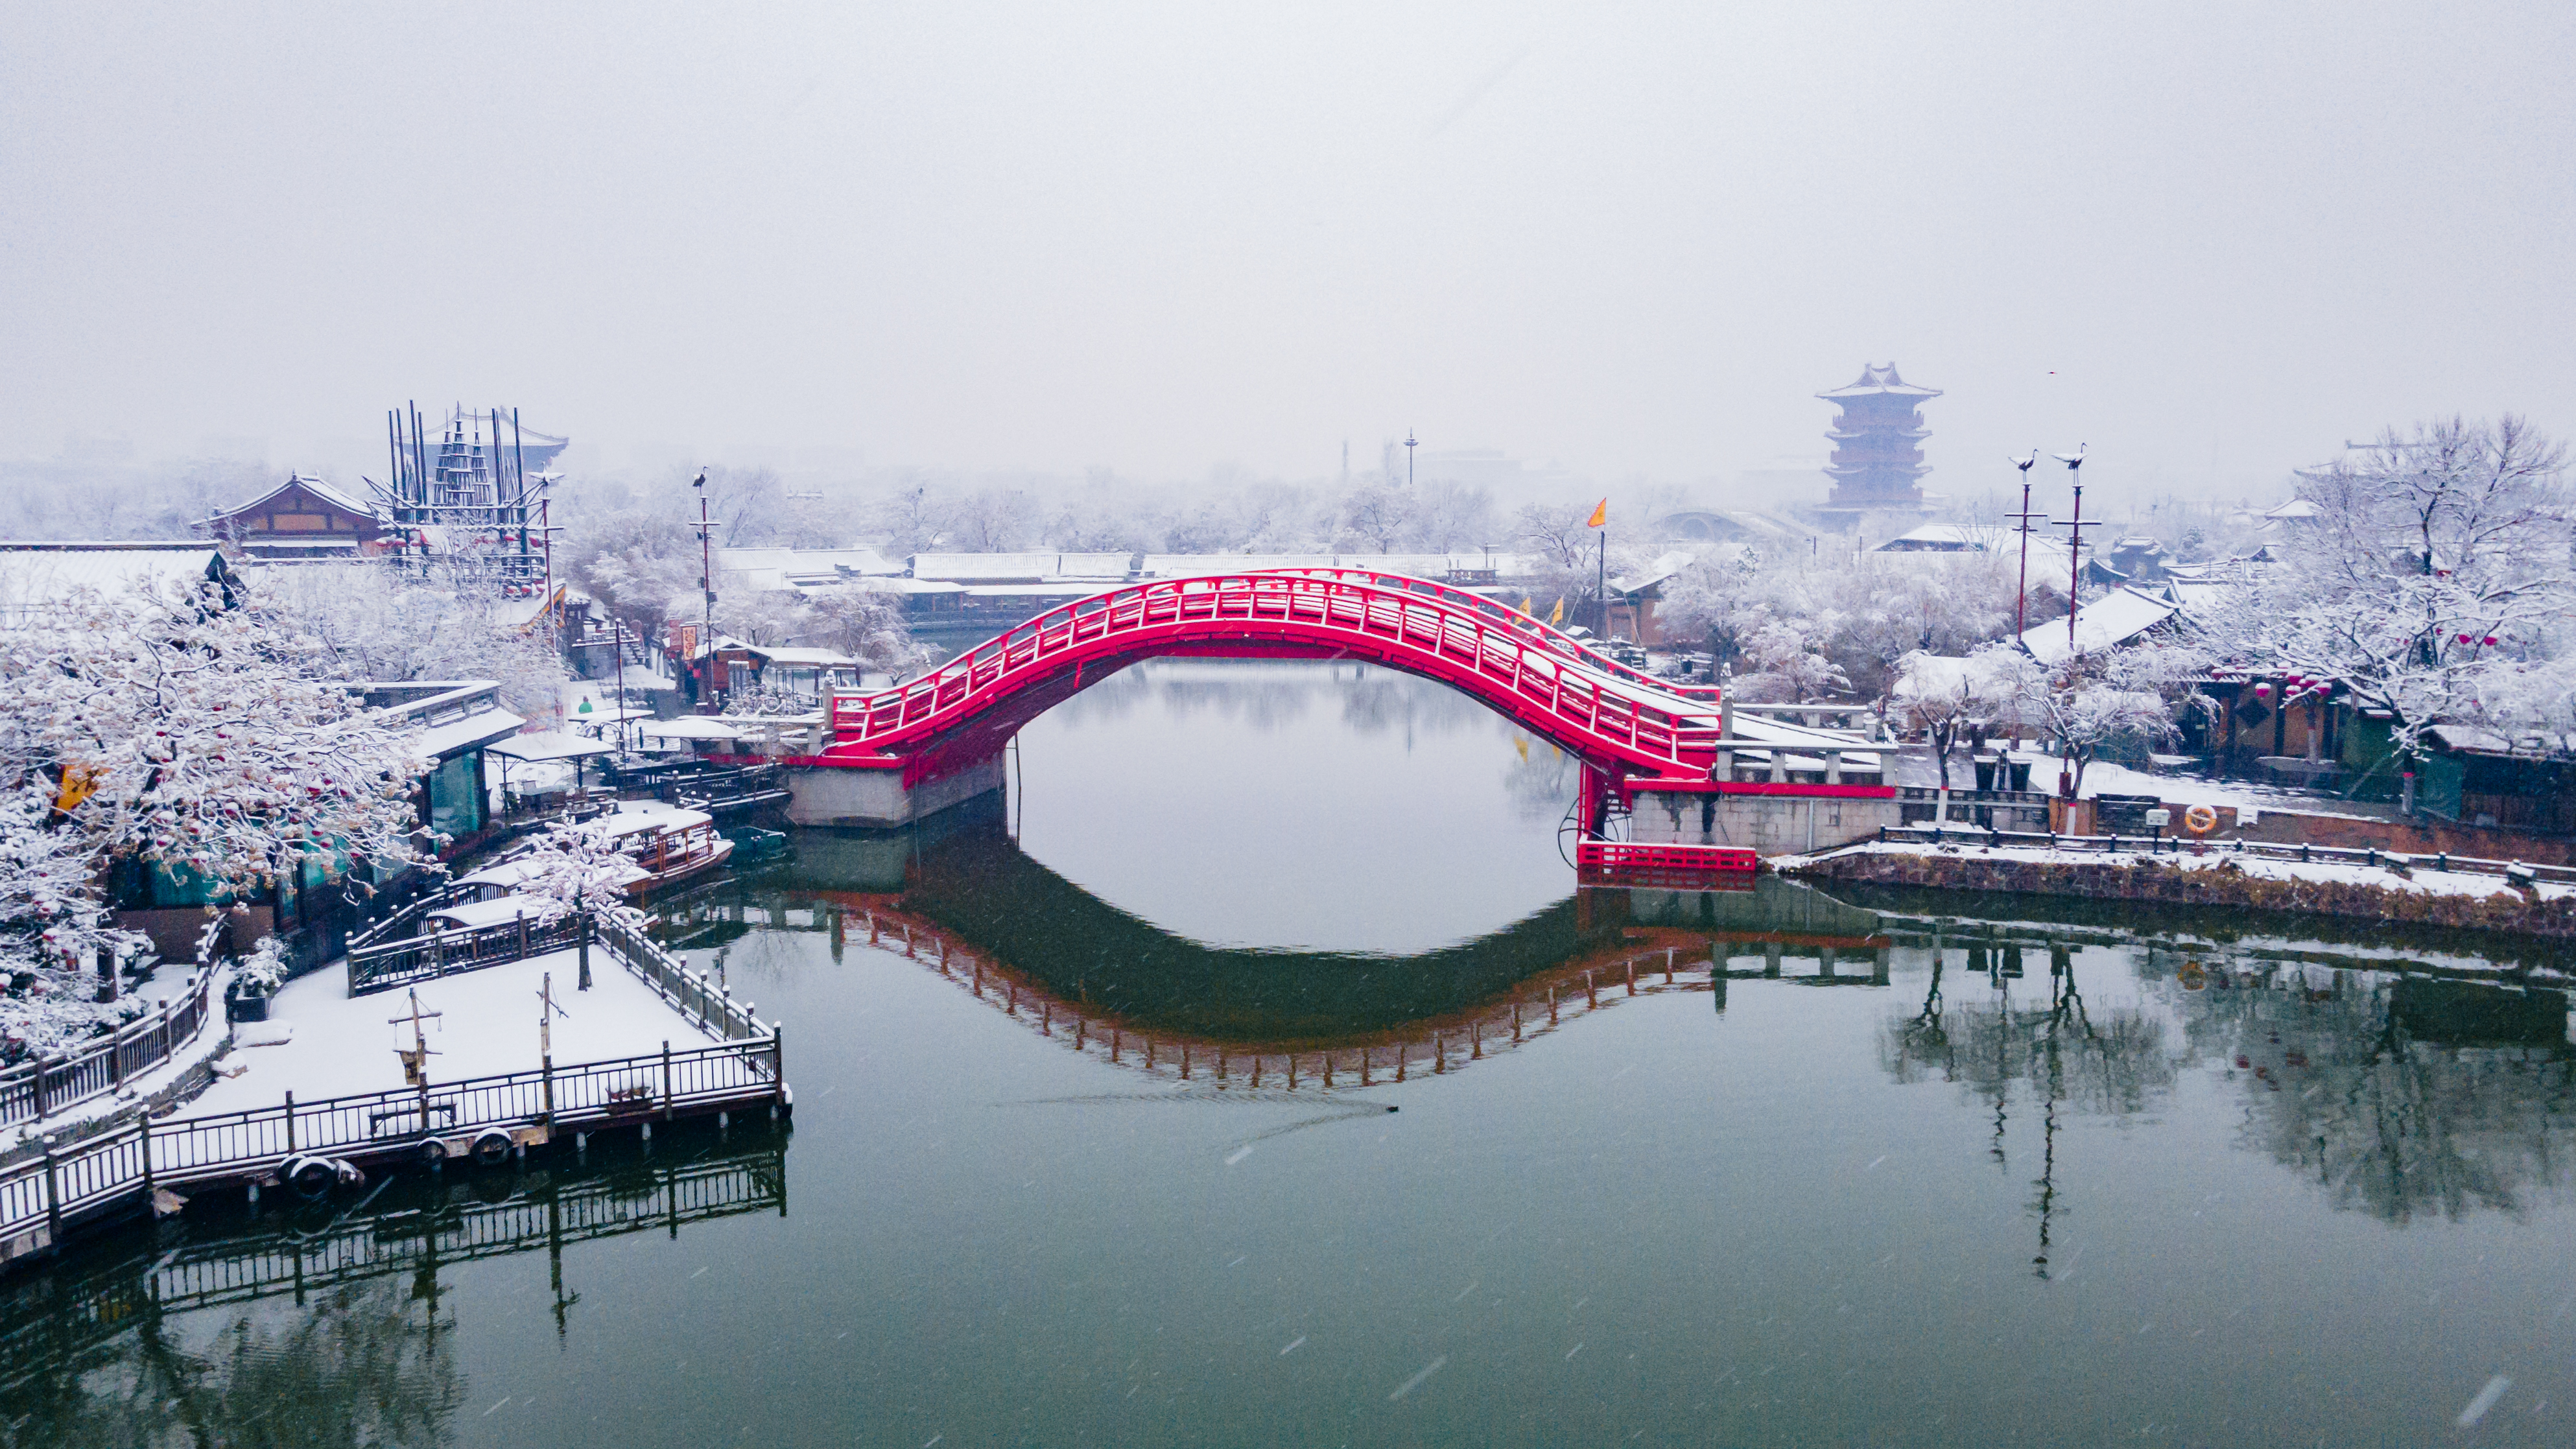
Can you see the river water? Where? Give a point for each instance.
(1066, 1167)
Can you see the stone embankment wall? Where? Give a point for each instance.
(1770, 824)
(2146, 879)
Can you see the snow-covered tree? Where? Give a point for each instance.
(1947, 697)
(1376, 515)
(376, 621)
(1787, 664)
(2098, 698)
(2433, 575)
(864, 620)
(577, 867)
(53, 926)
(161, 725)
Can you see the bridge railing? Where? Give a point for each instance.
(1547, 635)
(1633, 716)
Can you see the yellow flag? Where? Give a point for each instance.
(1523, 742)
(79, 783)
(1526, 611)
(1600, 515)
(1559, 616)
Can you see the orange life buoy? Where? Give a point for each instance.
(2200, 819)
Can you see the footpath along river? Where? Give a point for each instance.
(1903, 1170)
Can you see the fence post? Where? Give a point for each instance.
(778, 1058)
(53, 1198)
(523, 935)
(143, 1135)
(290, 1114)
(666, 1079)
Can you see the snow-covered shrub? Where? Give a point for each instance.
(264, 969)
(578, 867)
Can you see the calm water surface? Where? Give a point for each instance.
(1884, 1179)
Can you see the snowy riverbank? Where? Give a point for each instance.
(2220, 878)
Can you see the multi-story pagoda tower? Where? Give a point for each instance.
(1877, 463)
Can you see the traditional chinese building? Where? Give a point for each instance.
(1877, 465)
(301, 518)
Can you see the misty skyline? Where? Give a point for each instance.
(2211, 243)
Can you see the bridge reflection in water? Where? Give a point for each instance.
(968, 904)
(75, 1335)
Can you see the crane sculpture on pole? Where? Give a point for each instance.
(2074, 536)
(2021, 521)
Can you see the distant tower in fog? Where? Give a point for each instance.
(1878, 464)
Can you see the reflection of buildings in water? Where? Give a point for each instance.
(2402, 1096)
(2071, 1058)
(2400, 1093)
(143, 1349)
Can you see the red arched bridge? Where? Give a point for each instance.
(1633, 731)
(1602, 712)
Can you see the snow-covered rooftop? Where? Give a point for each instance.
(36, 578)
(798, 658)
(2115, 618)
(779, 569)
(459, 735)
(689, 727)
(997, 568)
(328, 493)
(549, 746)
(1875, 381)
(1412, 565)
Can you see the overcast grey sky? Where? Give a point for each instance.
(2211, 241)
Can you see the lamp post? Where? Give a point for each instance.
(1408, 457)
(706, 586)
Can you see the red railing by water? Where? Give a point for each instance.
(1612, 857)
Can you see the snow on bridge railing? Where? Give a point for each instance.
(1553, 638)
(1506, 659)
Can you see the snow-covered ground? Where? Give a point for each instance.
(321, 1042)
(2429, 882)
(1915, 767)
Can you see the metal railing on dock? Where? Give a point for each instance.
(385, 965)
(101, 1174)
(33, 1089)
